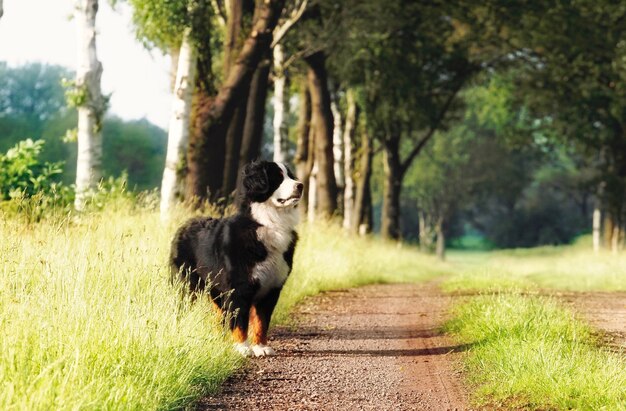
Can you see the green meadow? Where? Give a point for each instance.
(526, 349)
(89, 320)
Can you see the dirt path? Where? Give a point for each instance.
(372, 348)
(606, 311)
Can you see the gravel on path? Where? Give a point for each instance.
(373, 348)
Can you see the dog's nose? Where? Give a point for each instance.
(299, 188)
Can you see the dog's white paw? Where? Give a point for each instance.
(261, 350)
(244, 349)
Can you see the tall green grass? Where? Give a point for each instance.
(527, 352)
(88, 319)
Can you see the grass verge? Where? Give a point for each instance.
(573, 267)
(327, 258)
(88, 318)
(528, 352)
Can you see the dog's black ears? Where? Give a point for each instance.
(255, 181)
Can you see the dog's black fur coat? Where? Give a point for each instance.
(223, 252)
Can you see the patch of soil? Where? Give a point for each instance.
(372, 348)
(606, 311)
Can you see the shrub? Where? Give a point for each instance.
(29, 185)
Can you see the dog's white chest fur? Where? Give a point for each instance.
(276, 234)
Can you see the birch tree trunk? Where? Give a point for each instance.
(348, 162)
(178, 135)
(174, 55)
(596, 227)
(280, 105)
(92, 107)
(337, 144)
(302, 148)
(313, 189)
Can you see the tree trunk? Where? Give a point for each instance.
(313, 190)
(174, 56)
(390, 223)
(206, 157)
(91, 110)
(441, 239)
(178, 135)
(338, 164)
(239, 10)
(255, 114)
(608, 229)
(234, 27)
(368, 220)
(425, 232)
(322, 123)
(302, 148)
(281, 104)
(234, 137)
(597, 226)
(1, 9)
(615, 239)
(348, 162)
(363, 195)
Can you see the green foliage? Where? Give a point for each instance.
(571, 71)
(136, 147)
(29, 186)
(498, 172)
(32, 91)
(406, 55)
(527, 352)
(75, 96)
(22, 174)
(161, 23)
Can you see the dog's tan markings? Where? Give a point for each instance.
(258, 329)
(240, 335)
(217, 308)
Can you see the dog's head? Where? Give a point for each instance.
(271, 183)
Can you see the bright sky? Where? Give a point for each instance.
(41, 30)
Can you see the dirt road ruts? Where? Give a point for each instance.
(605, 311)
(372, 348)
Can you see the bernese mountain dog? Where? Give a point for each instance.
(242, 262)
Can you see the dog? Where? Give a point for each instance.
(243, 261)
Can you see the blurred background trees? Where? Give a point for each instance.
(499, 124)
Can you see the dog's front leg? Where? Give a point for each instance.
(260, 317)
(239, 315)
